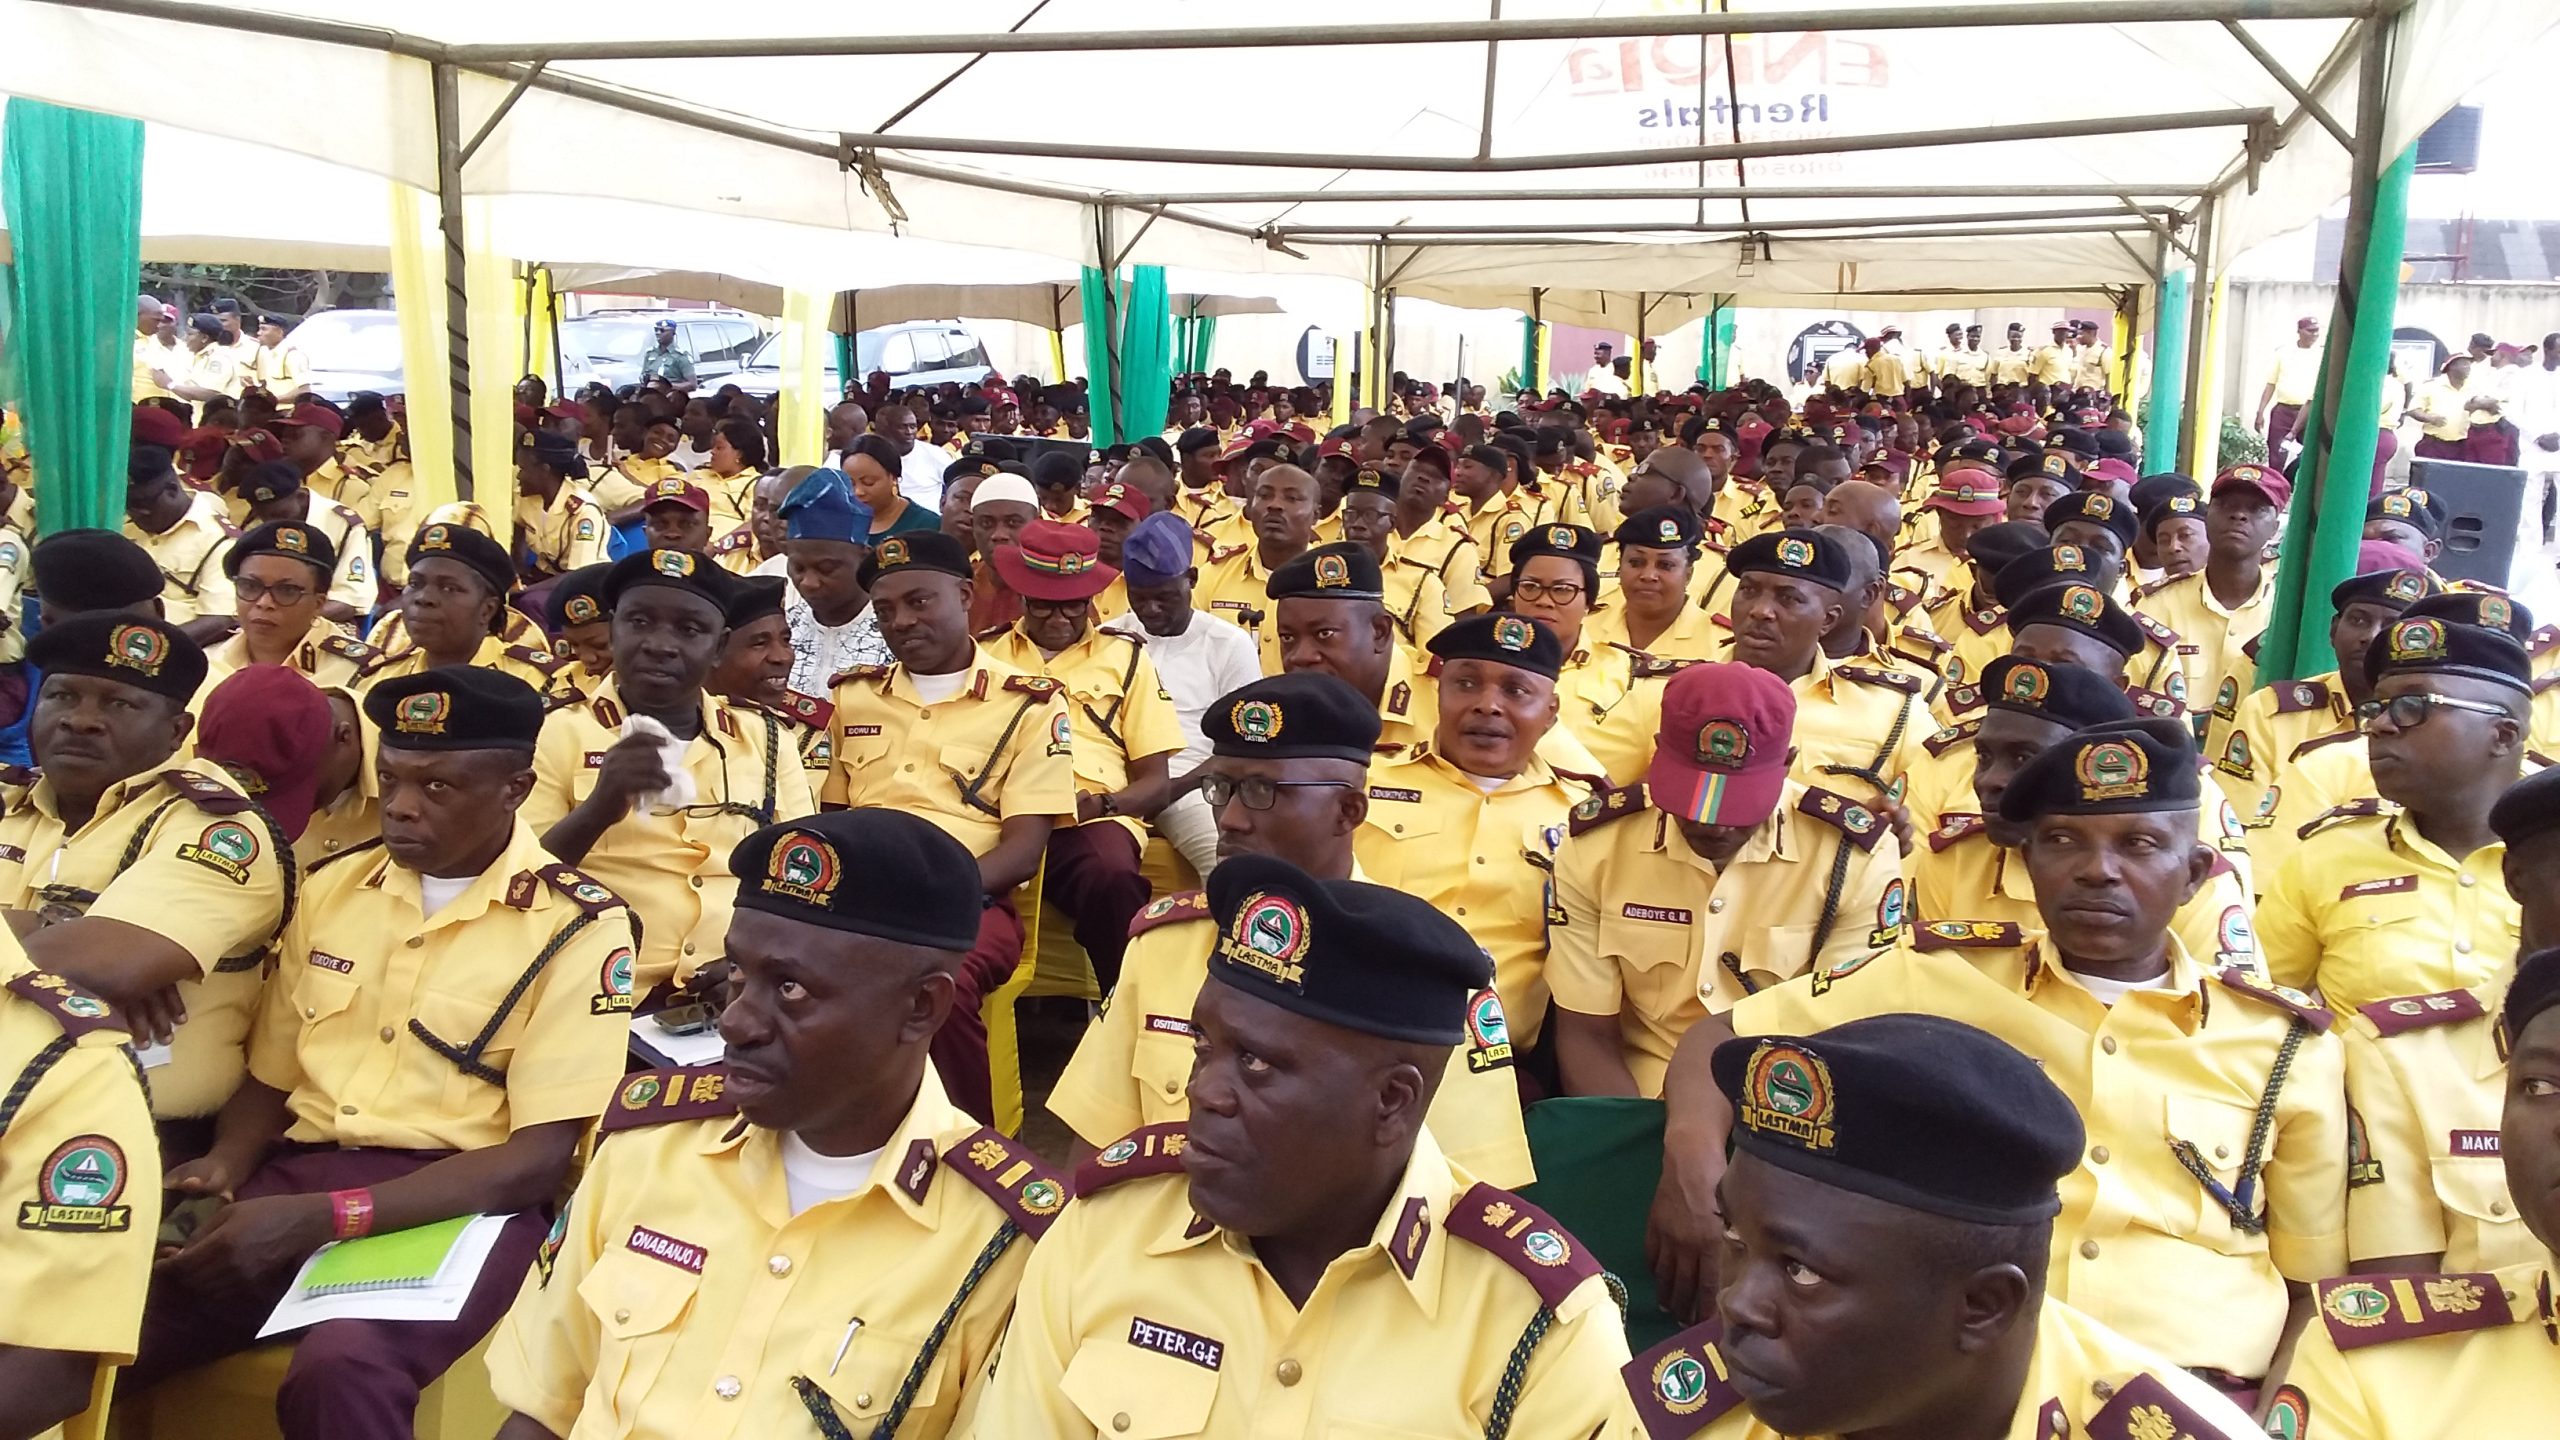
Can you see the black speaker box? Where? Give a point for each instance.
(2482, 504)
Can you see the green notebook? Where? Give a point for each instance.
(402, 1259)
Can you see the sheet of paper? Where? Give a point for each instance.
(440, 1299)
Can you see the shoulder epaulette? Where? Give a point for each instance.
(737, 539)
(1032, 685)
(1853, 819)
(1930, 640)
(2160, 634)
(2301, 695)
(1170, 910)
(991, 632)
(1609, 805)
(1890, 679)
(1154, 1150)
(2143, 592)
(537, 657)
(1679, 1386)
(1964, 698)
(1954, 735)
(858, 672)
(348, 648)
(2155, 702)
(2143, 1408)
(2364, 809)
(808, 709)
(1219, 556)
(1021, 1183)
(2420, 1012)
(76, 1010)
(1967, 934)
(654, 1097)
(380, 659)
(1901, 599)
(2249, 647)
(583, 892)
(359, 848)
(2371, 1310)
(1654, 667)
(1957, 825)
(206, 795)
(2283, 997)
(1524, 1237)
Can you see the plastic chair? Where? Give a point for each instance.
(1598, 1161)
(235, 1399)
(1004, 1040)
(1063, 967)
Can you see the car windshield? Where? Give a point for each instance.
(358, 340)
(612, 339)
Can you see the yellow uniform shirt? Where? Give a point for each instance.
(2011, 366)
(2051, 365)
(178, 852)
(149, 361)
(673, 869)
(1506, 516)
(397, 516)
(2142, 1245)
(1970, 365)
(13, 580)
(1443, 548)
(1869, 720)
(1116, 707)
(362, 960)
(390, 635)
(2449, 402)
(1886, 374)
(2253, 742)
(2366, 908)
(1610, 699)
(2426, 1080)
(1845, 370)
(2295, 374)
(679, 1298)
(1488, 859)
(1958, 874)
(1235, 586)
(1137, 1319)
(2427, 1357)
(354, 816)
(619, 486)
(2089, 368)
(352, 583)
(326, 657)
(2212, 641)
(1002, 747)
(80, 1172)
(1692, 634)
(1133, 1066)
(1651, 933)
(567, 534)
(189, 555)
(346, 479)
(531, 662)
(732, 496)
(280, 370)
(1205, 510)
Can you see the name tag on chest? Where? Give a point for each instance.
(1659, 914)
(2475, 1142)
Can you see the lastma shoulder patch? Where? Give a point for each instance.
(1681, 1386)
(1488, 1033)
(2375, 1309)
(77, 1188)
(226, 847)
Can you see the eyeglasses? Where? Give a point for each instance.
(286, 596)
(2408, 712)
(1258, 792)
(1562, 593)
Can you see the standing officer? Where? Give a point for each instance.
(1857, 728)
(1471, 822)
(970, 743)
(280, 572)
(83, 1174)
(652, 809)
(1735, 878)
(1303, 1257)
(808, 1238)
(131, 872)
(1889, 1215)
(2376, 902)
(504, 980)
(1286, 766)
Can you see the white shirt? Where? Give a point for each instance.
(934, 689)
(2108, 992)
(2534, 396)
(819, 653)
(1210, 658)
(687, 456)
(1604, 379)
(920, 476)
(814, 1179)
(438, 891)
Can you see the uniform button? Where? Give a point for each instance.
(779, 1264)
(310, 1014)
(2461, 947)
(726, 1387)
(909, 768)
(329, 844)
(2497, 1207)
(1399, 829)
(1479, 859)
(1120, 1421)
(621, 1317)
(862, 1400)
(1287, 1372)
(346, 1109)
(2088, 1249)
(2107, 1043)
(2467, 882)
(697, 882)
(417, 940)
(2103, 1390)
(2099, 1154)
(688, 947)
(1716, 906)
(387, 1033)
(2221, 1152)
(1173, 1087)
(1462, 909)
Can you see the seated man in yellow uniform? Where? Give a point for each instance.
(1286, 767)
(1281, 508)
(808, 1238)
(1472, 821)
(1416, 595)
(1429, 536)
(504, 981)
(2219, 609)
(131, 872)
(649, 783)
(2214, 1191)
(453, 610)
(280, 573)
(2401, 894)
(1302, 1258)
(755, 673)
(273, 493)
(1857, 728)
(2415, 1357)
(1906, 1169)
(1716, 877)
(186, 532)
(84, 1184)
(1966, 612)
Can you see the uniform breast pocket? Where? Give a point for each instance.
(1401, 819)
(639, 1304)
(2474, 1186)
(863, 754)
(1780, 952)
(2213, 1135)
(321, 997)
(1653, 965)
(1134, 1394)
(866, 1382)
(1162, 1068)
(456, 1018)
(965, 764)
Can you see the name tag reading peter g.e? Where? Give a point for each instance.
(1200, 1350)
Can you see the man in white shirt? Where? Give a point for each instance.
(1603, 374)
(825, 540)
(920, 469)
(1198, 658)
(2291, 382)
(2534, 404)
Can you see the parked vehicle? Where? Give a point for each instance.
(928, 352)
(351, 350)
(607, 345)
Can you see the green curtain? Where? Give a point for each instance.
(1146, 354)
(2161, 427)
(71, 181)
(1098, 369)
(1204, 334)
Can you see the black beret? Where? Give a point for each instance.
(2535, 988)
(577, 598)
(2072, 696)
(1918, 1111)
(2426, 645)
(1363, 957)
(142, 651)
(686, 570)
(2530, 807)
(2476, 607)
(558, 453)
(2392, 589)
(2415, 508)
(2150, 490)
(929, 550)
(2171, 507)
(2093, 507)
(1994, 546)
(289, 538)
(1433, 456)
(1796, 553)
(270, 480)
(1376, 479)
(1663, 527)
(466, 546)
(2084, 608)
(1302, 715)
(1564, 542)
(1198, 437)
(1340, 571)
(2125, 768)
(883, 873)
(754, 597)
(81, 570)
(2038, 568)
(1512, 640)
(1978, 450)
(455, 707)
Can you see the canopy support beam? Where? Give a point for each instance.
(2310, 105)
(2168, 237)
(2181, 190)
(1561, 235)
(1492, 62)
(457, 292)
(489, 126)
(1682, 227)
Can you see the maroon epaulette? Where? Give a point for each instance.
(1983, 622)
(2160, 634)
(1853, 819)
(1609, 805)
(1967, 935)
(992, 632)
(1679, 1386)
(2362, 809)
(1955, 826)
(583, 892)
(2371, 1310)
(654, 1097)
(2317, 742)
(2420, 1012)
(2140, 1410)
(1954, 735)
(17, 775)
(2283, 997)
(1524, 1237)
(1962, 699)
(2301, 695)
(350, 649)
(1655, 667)
(1155, 1150)
(2543, 641)
(1021, 1183)
(76, 1010)
(808, 709)
(858, 672)
(1930, 640)
(1220, 557)
(1032, 685)
(2159, 703)
(1889, 679)
(1170, 910)
(205, 795)
(537, 657)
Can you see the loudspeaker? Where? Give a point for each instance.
(2483, 504)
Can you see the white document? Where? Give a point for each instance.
(441, 1298)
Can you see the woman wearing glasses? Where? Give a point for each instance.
(280, 576)
(1608, 694)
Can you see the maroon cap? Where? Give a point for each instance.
(676, 490)
(1123, 499)
(154, 425)
(1055, 561)
(311, 414)
(2270, 483)
(1721, 755)
(270, 727)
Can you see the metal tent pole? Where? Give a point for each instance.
(2199, 306)
(457, 293)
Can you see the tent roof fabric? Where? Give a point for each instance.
(1881, 152)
